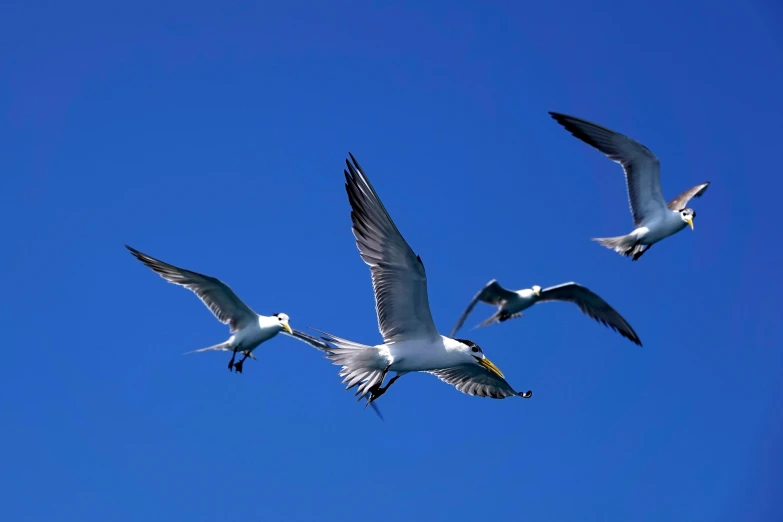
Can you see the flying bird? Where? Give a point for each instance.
(653, 218)
(247, 328)
(411, 342)
(510, 305)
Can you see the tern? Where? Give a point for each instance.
(653, 218)
(411, 342)
(248, 329)
(510, 305)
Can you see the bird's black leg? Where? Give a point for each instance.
(372, 391)
(639, 254)
(379, 390)
(238, 365)
(231, 362)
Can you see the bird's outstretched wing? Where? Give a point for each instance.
(219, 298)
(492, 293)
(681, 201)
(641, 166)
(398, 276)
(477, 380)
(592, 305)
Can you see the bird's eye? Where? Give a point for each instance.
(475, 349)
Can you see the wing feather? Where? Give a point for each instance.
(591, 305)
(216, 295)
(398, 276)
(492, 293)
(477, 380)
(681, 201)
(641, 166)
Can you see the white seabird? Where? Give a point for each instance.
(653, 218)
(510, 305)
(411, 342)
(248, 329)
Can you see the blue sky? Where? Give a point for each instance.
(214, 137)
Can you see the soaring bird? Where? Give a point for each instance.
(248, 329)
(653, 218)
(510, 305)
(411, 342)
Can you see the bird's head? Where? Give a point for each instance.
(688, 215)
(283, 320)
(536, 290)
(475, 355)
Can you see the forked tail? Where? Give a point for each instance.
(626, 245)
(362, 365)
(499, 316)
(225, 346)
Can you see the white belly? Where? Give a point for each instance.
(420, 356)
(248, 339)
(517, 305)
(670, 223)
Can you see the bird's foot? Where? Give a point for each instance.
(505, 316)
(379, 390)
(527, 394)
(238, 366)
(233, 358)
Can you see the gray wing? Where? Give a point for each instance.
(592, 305)
(641, 166)
(476, 380)
(309, 339)
(681, 201)
(492, 293)
(219, 298)
(398, 276)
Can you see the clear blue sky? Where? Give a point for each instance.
(215, 138)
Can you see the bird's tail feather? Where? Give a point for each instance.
(626, 245)
(497, 317)
(362, 365)
(226, 346)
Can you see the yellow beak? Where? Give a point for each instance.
(287, 328)
(537, 292)
(690, 222)
(489, 365)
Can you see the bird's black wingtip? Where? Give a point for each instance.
(135, 253)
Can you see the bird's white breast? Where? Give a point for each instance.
(663, 226)
(423, 355)
(257, 332)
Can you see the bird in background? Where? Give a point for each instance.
(511, 303)
(248, 329)
(653, 218)
(411, 342)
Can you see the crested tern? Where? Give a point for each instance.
(248, 329)
(653, 218)
(510, 305)
(411, 342)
